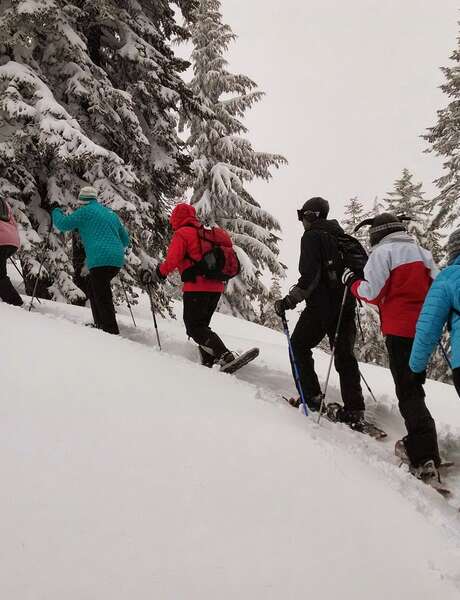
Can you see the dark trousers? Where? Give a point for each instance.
(198, 310)
(311, 328)
(456, 376)
(101, 300)
(421, 441)
(8, 292)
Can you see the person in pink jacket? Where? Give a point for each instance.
(9, 244)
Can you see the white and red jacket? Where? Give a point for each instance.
(397, 276)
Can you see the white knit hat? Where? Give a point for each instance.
(87, 193)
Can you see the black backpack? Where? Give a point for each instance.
(220, 263)
(346, 252)
(4, 211)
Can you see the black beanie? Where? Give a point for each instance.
(382, 226)
(315, 205)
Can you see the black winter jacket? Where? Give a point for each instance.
(317, 245)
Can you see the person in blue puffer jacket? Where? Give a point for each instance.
(441, 307)
(104, 239)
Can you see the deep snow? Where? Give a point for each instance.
(130, 473)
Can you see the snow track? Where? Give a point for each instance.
(133, 473)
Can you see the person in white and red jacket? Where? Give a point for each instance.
(9, 244)
(397, 278)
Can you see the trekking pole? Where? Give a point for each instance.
(294, 364)
(444, 353)
(334, 343)
(127, 301)
(21, 274)
(367, 385)
(17, 269)
(45, 248)
(152, 308)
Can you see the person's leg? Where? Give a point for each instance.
(198, 310)
(8, 292)
(102, 300)
(456, 378)
(345, 362)
(421, 441)
(307, 334)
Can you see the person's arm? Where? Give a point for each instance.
(67, 222)
(434, 315)
(176, 253)
(376, 278)
(310, 266)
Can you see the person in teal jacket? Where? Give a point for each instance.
(441, 307)
(104, 239)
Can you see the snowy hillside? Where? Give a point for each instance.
(130, 473)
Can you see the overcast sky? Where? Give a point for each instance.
(351, 86)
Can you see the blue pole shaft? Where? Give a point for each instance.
(294, 365)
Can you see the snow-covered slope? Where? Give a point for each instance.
(130, 473)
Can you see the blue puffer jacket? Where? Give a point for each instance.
(102, 233)
(442, 299)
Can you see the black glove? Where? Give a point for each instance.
(349, 277)
(148, 277)
(50, 207)
(419, 378)
(286, 303)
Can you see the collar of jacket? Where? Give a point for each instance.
(397, 236)
(328, 225)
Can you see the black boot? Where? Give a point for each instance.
(207, 359)
(8, 292)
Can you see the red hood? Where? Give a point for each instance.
(183, 214)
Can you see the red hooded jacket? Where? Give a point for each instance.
(187, 247)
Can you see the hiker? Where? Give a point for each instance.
(9, 244)
(441, 307)
(397, 278)
(104, 240)
(190, 242)
(323, 291)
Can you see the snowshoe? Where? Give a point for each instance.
(354, 420)
(230, 362)
(427, 472)
(313, 404)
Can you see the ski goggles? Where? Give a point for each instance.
(308, 215)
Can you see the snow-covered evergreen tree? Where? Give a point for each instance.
(444, 141)
(268, 316)
(224, 161)
(354, 214)
(88, 92)
(407, 198)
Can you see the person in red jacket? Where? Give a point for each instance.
(397, 278)
(200, 295)
(9, 244)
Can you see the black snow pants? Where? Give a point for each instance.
(315, 322)
(421, 441)
(456, 376)
(101, 300)
(8, 292)
(199, 308)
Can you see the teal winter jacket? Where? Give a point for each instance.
(102, 233)
(441, 307)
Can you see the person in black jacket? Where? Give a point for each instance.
(321, 287)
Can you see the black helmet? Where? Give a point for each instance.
(315, 208)
(382, 225)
